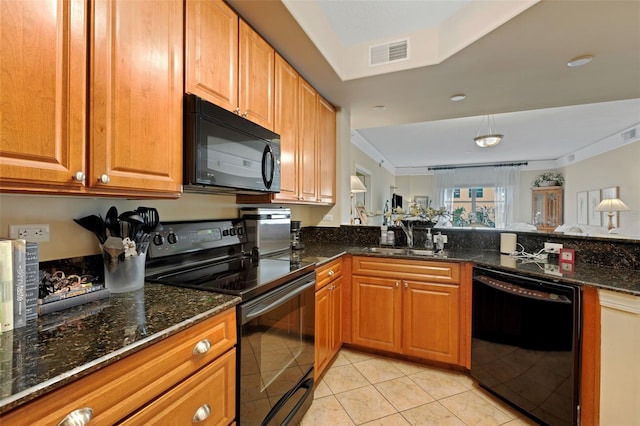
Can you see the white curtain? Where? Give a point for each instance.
(506, 180)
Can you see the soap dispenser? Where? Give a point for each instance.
(428, 244)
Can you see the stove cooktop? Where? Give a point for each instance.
(244, 277)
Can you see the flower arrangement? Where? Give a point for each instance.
(549, 179)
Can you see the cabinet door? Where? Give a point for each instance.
(307, 142)
(255, 81)
(376, 313)
(323, 330)
(136, 95)
(326, 152)
(431, 321)
(206, 398)
(211, 52)
(286, 125)
(43, 46)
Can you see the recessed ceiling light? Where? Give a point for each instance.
(579, 61)
(379, 108)
(458, 97)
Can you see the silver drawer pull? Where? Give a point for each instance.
(202, 413)
(331, 272)
(79, 417)
(202, 347)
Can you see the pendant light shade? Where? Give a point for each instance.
(490, 137)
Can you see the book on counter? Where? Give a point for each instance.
(19, 252)
(73, 292)
(6, 285)
(32, 280)
(71, 301)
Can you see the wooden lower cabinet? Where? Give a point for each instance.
(328, 306)
(170, 376)
(206, 398)
(411, 307)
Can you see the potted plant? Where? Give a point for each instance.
(549, 179)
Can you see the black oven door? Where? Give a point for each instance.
(276, 355)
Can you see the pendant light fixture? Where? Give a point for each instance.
(491, 137)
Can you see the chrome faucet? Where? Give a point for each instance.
(408, 231)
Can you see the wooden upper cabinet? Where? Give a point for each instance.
(79, 107)
(43, 91)
(255, 80)
(307, 142)
(326, 152)
(286, 125)
(136, 95)
(228, 63)
(211, 52)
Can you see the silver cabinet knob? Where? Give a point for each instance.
(104, 178)
(397, 284)
(244, 114)
(331, 272)
(237, 111)
(79, 177)
(406, 285)
(79, 417)
(202, 413)
(202, 347)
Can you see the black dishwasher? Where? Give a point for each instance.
(526, 343)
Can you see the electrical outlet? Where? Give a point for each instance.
(552, 248)
(552, 269)
(328, 217)
(36, 233)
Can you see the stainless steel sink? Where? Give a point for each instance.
(400, 251)
(387, 250)
(418, 252)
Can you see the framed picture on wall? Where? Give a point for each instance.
(423, 200)
(595, 218)
(581, 208)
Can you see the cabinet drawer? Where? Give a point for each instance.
(118, 389)
(427, 270)
(328, 272)
(211, 392)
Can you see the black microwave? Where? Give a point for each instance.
(225, 152)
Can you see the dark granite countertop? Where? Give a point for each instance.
(63, 346)
(615, 279)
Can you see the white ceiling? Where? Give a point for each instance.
(508, 57)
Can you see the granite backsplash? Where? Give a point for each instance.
(609, 252)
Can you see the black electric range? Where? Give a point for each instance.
(209, 256)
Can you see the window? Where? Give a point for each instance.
(476, 208)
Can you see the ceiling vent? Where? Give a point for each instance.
(388, 53)
(628, 135)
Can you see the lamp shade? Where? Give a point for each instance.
(612, 205)
(357, 185)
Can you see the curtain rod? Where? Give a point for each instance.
(471, 166)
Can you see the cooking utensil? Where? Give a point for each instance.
(134, 224)
(94, 224)
(151, 218)
(112, 223)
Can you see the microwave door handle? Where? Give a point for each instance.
(267, 152)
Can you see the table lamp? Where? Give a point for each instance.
(611, 206)
(356, 186)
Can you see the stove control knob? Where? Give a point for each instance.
(232, 232)
(172, 238)
(158, 240)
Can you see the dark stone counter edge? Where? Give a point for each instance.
(484, 258)
(34, 392)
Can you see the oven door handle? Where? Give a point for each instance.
(269, 303)
(306, 384)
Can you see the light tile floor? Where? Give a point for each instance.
(366, 389)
